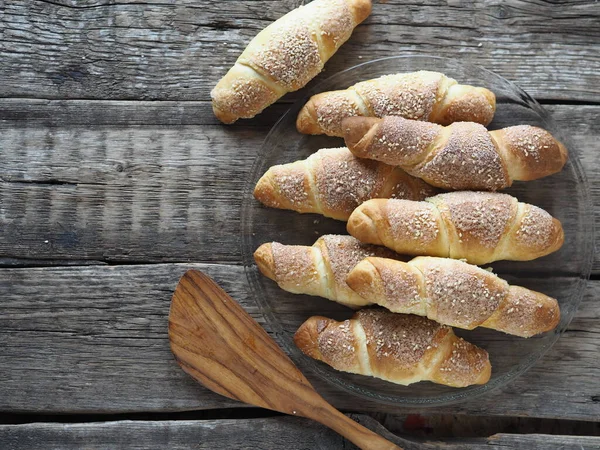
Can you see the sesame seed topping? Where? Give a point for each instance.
(342, 182)
(468, 159)
(410, 95)
(400, 337)
(345, 252)
(402, 142)
(333, 107)
(536, 229)
(459, 294)
(413, 223)
(479, 218)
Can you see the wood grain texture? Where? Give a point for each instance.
(219, 344)
(281, 433)
(94, 339)
(148, 182)
(115, 180)
(177, 51)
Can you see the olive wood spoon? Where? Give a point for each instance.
(222, 347)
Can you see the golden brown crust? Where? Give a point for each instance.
(399, 348)
(294, 268)
(476, 222)
(465, 103)
(307, 120)
(459, 294)
(410, 95)
(306, 337)
(341, 254)
(405, 226)
(241, 94)
(361, 9)
(392, 140)
(392, 284)
(264, 260)
(403, 186)
(480, 227)
(453, 293)
(343, 181)
(285, 56)
(461, 156)
(537, 233)
(333, 182)
(364, 220)
(426, 96)
(324, 112)
(525, 313)
(357, 131)
(397, 343)
(320, 269)
(286, 186)
(466, 159)
(530, 152)
(464, 364)
(286, 53)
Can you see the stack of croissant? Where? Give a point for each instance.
(410, 138)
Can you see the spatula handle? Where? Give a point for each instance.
(357, 434)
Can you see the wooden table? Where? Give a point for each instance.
(116, 177)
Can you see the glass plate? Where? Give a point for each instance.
(562, 275)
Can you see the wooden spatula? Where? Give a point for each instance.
(221, 346)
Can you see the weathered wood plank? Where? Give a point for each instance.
(19, 112)
(94, 339)
(448, 426)
(287, 433)
(271, 433)
(129, 181)
(177, 51)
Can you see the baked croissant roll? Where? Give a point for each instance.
(399, 348)
(461, 156)
(333, 182)
(453, 293)
(423, 95)
(319, 270)
(285, 56)
(480, 227)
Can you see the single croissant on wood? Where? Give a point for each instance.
(319, 270)
(423, 95)
(333, 182)
(461, 156)
(399, 348)
(285, 56)
(480, 227)
(453, 293)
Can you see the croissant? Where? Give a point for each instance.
(453, 293)
(479, 227)
(399, 348)
(423, 95)
(318, 270)
(461, 156)
(285, 56)
(333, 182)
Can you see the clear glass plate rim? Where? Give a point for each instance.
(460, 395)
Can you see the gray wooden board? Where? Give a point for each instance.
(152, 182)
(89, 182)
(289, 433)
(94, 339)
(178, 51)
